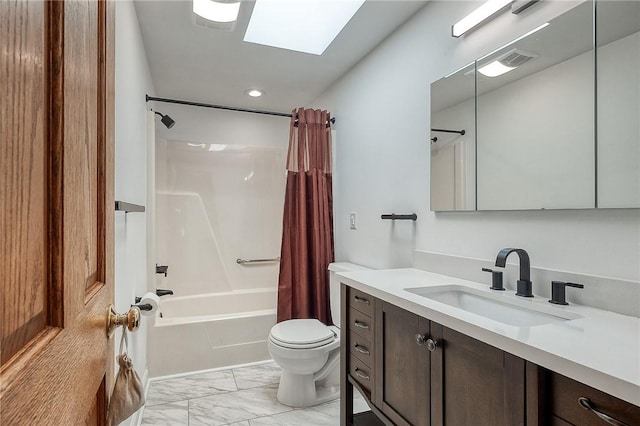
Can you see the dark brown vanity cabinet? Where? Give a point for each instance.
(557, 400)
(403, 367)
(428, 374)
(473, 383)
(417, 372)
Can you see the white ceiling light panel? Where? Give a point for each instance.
(217, 11)
(307, 26)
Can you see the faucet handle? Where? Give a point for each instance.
(559, 292)
(496, 279)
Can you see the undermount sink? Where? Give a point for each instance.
(495, 306)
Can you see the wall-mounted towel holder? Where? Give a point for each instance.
(394, 216)
(122, 206)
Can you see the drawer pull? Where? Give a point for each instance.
(362, 376)
(359, 348)
(586, 404)
(360, 324)
(361, 300)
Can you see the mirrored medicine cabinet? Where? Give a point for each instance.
(548, 121)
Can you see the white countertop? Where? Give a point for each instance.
(601, 349)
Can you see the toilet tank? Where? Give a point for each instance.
(334, 286)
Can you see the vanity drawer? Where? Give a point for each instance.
(361, 302)
(565, 394)
(361, 373)
(361, 324)
(361, 348)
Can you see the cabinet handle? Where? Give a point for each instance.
(360, 324)
(359, 348)
(361, 300)
(431, 345)
(586, 404)
(362, 376)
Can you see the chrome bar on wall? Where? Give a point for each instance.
(245, 261)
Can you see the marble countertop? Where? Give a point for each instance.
(600, 349)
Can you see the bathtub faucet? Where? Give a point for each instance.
(162, 269)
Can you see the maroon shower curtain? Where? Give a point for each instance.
(307, 227)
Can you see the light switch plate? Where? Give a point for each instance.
(353, 220)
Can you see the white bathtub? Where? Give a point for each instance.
(192, 333)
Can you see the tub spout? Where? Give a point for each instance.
(161, 292)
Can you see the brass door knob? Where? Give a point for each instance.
(131, 319)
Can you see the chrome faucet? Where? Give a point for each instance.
(523, 286)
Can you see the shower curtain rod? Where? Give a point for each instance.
(229, 108)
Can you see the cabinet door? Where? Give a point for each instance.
(473, 383)
(402, 366)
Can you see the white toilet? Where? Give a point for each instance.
(309, 351)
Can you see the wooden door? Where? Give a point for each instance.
(473, 383)
(56, 210)
(402, 366)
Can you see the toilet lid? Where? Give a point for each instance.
(302, 333)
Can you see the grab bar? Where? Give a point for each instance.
(243, 261)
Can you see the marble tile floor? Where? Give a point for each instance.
(244, 396)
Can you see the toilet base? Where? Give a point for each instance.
(302, 390)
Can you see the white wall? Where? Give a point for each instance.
(206, 125)
(132, 81)
(382, 147)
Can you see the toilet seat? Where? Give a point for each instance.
(301, 334)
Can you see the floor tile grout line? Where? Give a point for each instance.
(235, 380)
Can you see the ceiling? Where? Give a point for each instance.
(193, 63)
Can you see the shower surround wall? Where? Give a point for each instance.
(215, 203)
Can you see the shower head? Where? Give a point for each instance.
(166, 120)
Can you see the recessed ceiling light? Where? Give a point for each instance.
(485, 11)
(218, 11)
(307, 26)
(254, 93)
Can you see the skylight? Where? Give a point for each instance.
(307, 26)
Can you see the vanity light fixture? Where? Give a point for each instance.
(487, 10)
(519, 6)
(254, 93)
(217, 11)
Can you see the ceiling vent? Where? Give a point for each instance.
(515, 57)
